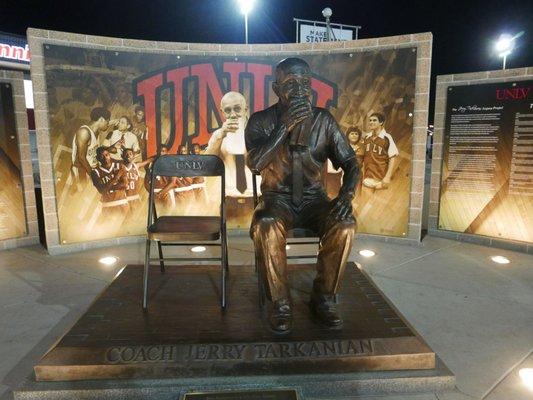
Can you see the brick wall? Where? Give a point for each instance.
(16, 79)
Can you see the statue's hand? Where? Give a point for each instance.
(299, 109)
(342, 207)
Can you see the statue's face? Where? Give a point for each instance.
(293, 83)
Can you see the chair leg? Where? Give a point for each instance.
(260, 285)
(145, 274)
(225, 269)
(227, 262)
(161, 260)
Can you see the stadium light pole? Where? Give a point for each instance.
(327, 13)
(246, 6)
(504, 46)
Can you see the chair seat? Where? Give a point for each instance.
(301, 233)
(184, 228)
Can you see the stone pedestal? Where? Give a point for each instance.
(186, 342)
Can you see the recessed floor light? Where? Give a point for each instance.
(108, 260)
(367, 253)
(526, 374)
(500, 259)
(198, 249)
(287, 247)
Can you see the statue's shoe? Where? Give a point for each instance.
(280, 316)
(325, 312)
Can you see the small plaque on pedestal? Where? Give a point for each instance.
(282, 394)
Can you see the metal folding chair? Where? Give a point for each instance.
(186, 230)
(297, 233)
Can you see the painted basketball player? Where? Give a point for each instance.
(110, 180)
(380, 154)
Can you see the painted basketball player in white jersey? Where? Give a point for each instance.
(122, 138)
(84, 145)
(380, 154)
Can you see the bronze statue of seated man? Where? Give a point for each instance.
(289, 144)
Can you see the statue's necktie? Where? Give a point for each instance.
(298, 145)
(297, 176)
(240, 176)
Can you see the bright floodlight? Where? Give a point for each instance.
(198, 249)
(246, 6)
(505, 44)
(500, 259)
(367, 253)
(109, 260)
(526, 374)
(327, 12)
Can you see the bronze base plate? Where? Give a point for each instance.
(185, 334)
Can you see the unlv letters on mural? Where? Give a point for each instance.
(208, 92)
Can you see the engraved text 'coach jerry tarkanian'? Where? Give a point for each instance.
(239, 352)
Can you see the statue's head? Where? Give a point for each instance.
(293, 80)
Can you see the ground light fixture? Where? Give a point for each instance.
(526, 374)
(198, 249)
(367, 253)
(287, 247)
(246, 6)
(108, 260)
(500, 259)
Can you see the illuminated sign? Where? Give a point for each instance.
(14, 49)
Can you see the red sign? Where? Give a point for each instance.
(14, 53)
(512, 94)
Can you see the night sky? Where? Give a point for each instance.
(463, 31)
